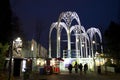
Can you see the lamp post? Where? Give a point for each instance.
(92, 47)
(10, 62)
(32, 49)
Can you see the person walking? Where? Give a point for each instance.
(70, 68)
(76, 67)
(85, 68)
(80, 67)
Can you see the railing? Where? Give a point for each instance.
(71, 53)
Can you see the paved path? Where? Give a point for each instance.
(75, 76)
(78, 76)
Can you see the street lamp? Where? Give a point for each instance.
(32, 49)
(93, 42)
(10, 62)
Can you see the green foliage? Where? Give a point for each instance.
(108, 63)
(3, 49)
(112, 40)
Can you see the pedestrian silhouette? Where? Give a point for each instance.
(70, 68)
(80, 67)
(76, 67)
(85, 68)
(99, 69)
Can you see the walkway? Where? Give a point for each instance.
(74, 76)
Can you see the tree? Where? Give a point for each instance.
(9, 23)
(16, 28)
(3, 49)
(9, 29)
(112, 40)
(5, 18)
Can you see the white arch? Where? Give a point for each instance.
(84, 35)
(78, 28)
(79, 32)
(55, 25)
(68, 17)
(91, 32)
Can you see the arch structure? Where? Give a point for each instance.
(92, 33)
(83, 38)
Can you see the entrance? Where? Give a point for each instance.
(17, 66)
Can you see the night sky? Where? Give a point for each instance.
(36, 16)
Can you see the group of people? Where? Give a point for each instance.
(78, 67)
